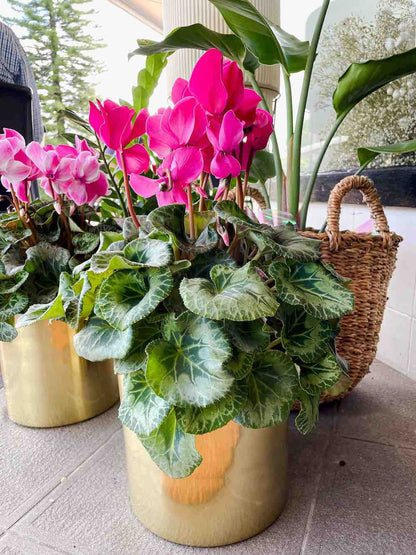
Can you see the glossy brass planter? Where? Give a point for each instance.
(47, 384)
(237, 492)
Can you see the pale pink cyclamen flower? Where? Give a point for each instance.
(13, 164)
(114, 126)
(184, 166)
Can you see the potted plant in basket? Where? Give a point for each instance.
(254, 40)
(41, 241)
(217, 324)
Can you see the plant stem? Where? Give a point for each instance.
(265, 194)
(289, 106)
(24, 218)
(111, 176)
(64, 219)
(128, 193)
(275, 145)
(312, 178)
(191, 214)
(294, 186)
(239, 190)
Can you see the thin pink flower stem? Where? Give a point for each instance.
(128, 193)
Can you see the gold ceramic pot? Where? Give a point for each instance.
(47, 384)
(238, 490)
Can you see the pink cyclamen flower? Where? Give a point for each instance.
(56, 172)
(88, 183)
(183, 125)
(225, 137)
(12, 164)
(177, 172)
(21, 188)
(114, 126)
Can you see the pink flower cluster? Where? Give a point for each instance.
(215, 126)
(62, 170)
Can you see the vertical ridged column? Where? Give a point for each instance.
(177, 13)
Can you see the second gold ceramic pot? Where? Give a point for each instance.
(238, 490)
(47, 384)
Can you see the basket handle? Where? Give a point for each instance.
(371, 198)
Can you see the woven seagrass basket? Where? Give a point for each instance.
(369, 261)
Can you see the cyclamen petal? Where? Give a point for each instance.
(224, 165)
(144, 186)
(185, 164)
(231, 132)
(136, 159)
(246, 111)
(234, 83)
(182, 120)
(180, 90)
(206, 82)
(176, 195)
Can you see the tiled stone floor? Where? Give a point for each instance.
(352, 484)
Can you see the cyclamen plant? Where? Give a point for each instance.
(41, 241)
(209, 315)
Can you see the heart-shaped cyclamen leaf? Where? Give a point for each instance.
(248, 337)
(10, 284)
(99, 341)
(319, 376)
(304, 336)
(272, 387)
(12, 304)
(149, 252)
(85, 243)
(128, 296)
(233, 294)
(172, 449)
(187, 366)
(141, 410)
(7, 332)
(313, 287)
(143, 332)
(36, 312)
(308, 416)
(202, 420)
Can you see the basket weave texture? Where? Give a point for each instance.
(369, 261)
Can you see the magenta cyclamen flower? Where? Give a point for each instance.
(177, 172)
(114, 126)
(225, 138)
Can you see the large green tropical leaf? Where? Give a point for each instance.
(272, 387)
(172, 449)
(281, 241)
(248, 337)
(317, 377)
(308, 416)
(99, 341)
(186, 367)
(367, 154)
(170, 219)
(295, 51)
(362, 79)
(263, 167)
(7, 332)
(143, 332)
(202, 420)
(198, 37)
(313, 287)
(141, 410)
(233, 294)
(128, 296)
(304, 336)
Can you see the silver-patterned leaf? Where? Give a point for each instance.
(313, 287)
(308, 416)
(232, 294)
(128, 296)
(172, 449)
(99, 341)
(36, 312)
(187, 365)
(141, 410)
(272, 387)
(149, 252)
(12, 304)
(317, 377)
(7, 332)
(143, 332)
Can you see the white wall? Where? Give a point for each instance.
(397, 346)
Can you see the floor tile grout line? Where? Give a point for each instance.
(57, 485)
(38, 541)
(375, 442)
(312, 507)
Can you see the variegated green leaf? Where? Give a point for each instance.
(85, 243)
(248, 337)
(99, 341)
(10, 284)
(202, 420)
(141, 410)
(187, 365)
(7, 332)
(272, 387)
(11, 237)
(240, 364)
(308, 416)
(172, 449)
(281, 241)
(149, 252)
(313, 287)
(203, 263)
(319, 376)
(12, 304)
(304, 336)
(48, 311)
(233, 294)
(128, 296)
(143, 332)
